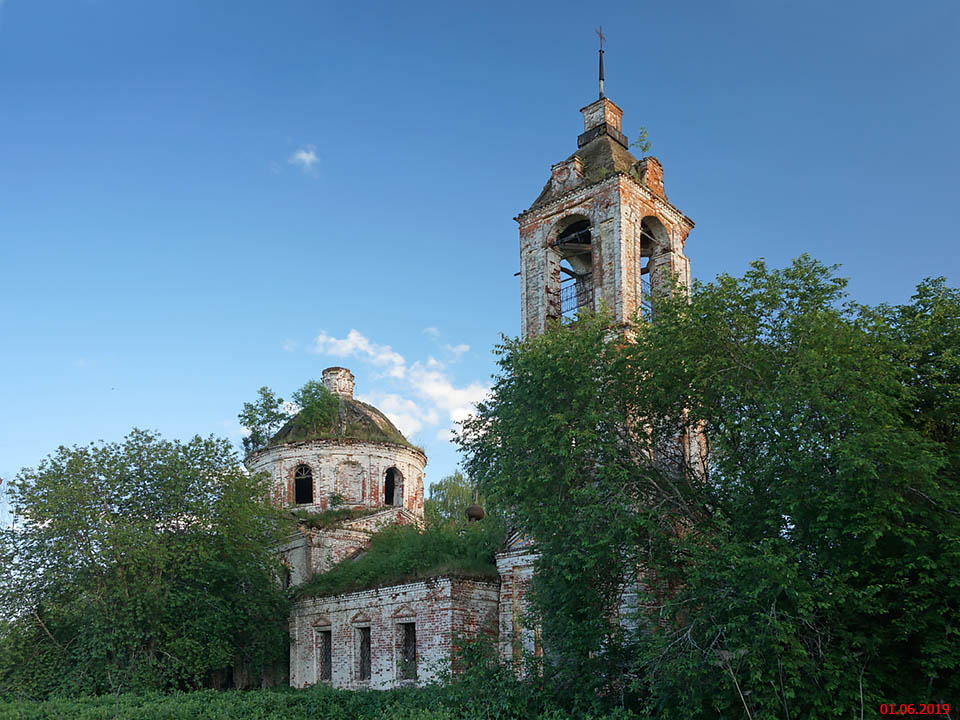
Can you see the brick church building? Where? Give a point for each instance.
(601, 232)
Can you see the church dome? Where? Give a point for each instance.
(339, 451)
(354, 420)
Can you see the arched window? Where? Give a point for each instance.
(576, 267)
(303, 485)
(393, 487)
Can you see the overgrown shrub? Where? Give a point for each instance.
(146, 565)
(508, 699)
(400, 554)
(334, 517)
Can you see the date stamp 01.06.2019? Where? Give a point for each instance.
(941, 709)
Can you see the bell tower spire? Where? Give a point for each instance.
(602, 38)
(602, 232)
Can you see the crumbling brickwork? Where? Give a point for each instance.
(353, 469)
(363, 474)
(311, 551)
(515, 567)
(442, 611)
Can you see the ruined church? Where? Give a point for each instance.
(601, 232)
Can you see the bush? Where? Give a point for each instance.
(509, 699)
(401, 554)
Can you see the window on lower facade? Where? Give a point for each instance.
(407, 665)
(363, 656)
(324, 655)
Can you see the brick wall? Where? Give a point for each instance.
(516, 573)
(343, 466)
(443, 610)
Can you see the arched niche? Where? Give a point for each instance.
(348, 481)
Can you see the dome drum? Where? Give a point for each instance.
(354, 474)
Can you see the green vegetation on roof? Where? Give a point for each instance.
(601, 157)
(332, 518)
(402, 554)
(322, 416)
(352, 420)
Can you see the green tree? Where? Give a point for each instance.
(926, 337)
(775, 466)
(318, 406)
(449, 499)
(136, 565)
(262, 419)
(549, 446)
(642, 142)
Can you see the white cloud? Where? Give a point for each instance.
(408, 416)
(457, 350)
(437, 387)
(422, 395)
(290, 345)
(306, 158)
(431, 331)
(356, 344)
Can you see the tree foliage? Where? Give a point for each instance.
(642, 142)
(318, 406)
(449, 499)
(137, 565)
(313, 408)
(772, 468)
(262, 418)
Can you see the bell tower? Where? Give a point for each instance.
(602, 232)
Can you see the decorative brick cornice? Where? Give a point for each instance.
(661, 203)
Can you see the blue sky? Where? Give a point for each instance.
(200, 198)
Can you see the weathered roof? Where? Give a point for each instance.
(355, 421)
(600, 157)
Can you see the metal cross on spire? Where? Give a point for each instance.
(599, 32)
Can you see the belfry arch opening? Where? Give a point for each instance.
(392, 487)
(654, 241)
(303, 485)
(574, 246)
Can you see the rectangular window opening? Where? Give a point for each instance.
(363, 668)
(408, 651)
(324, 655)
